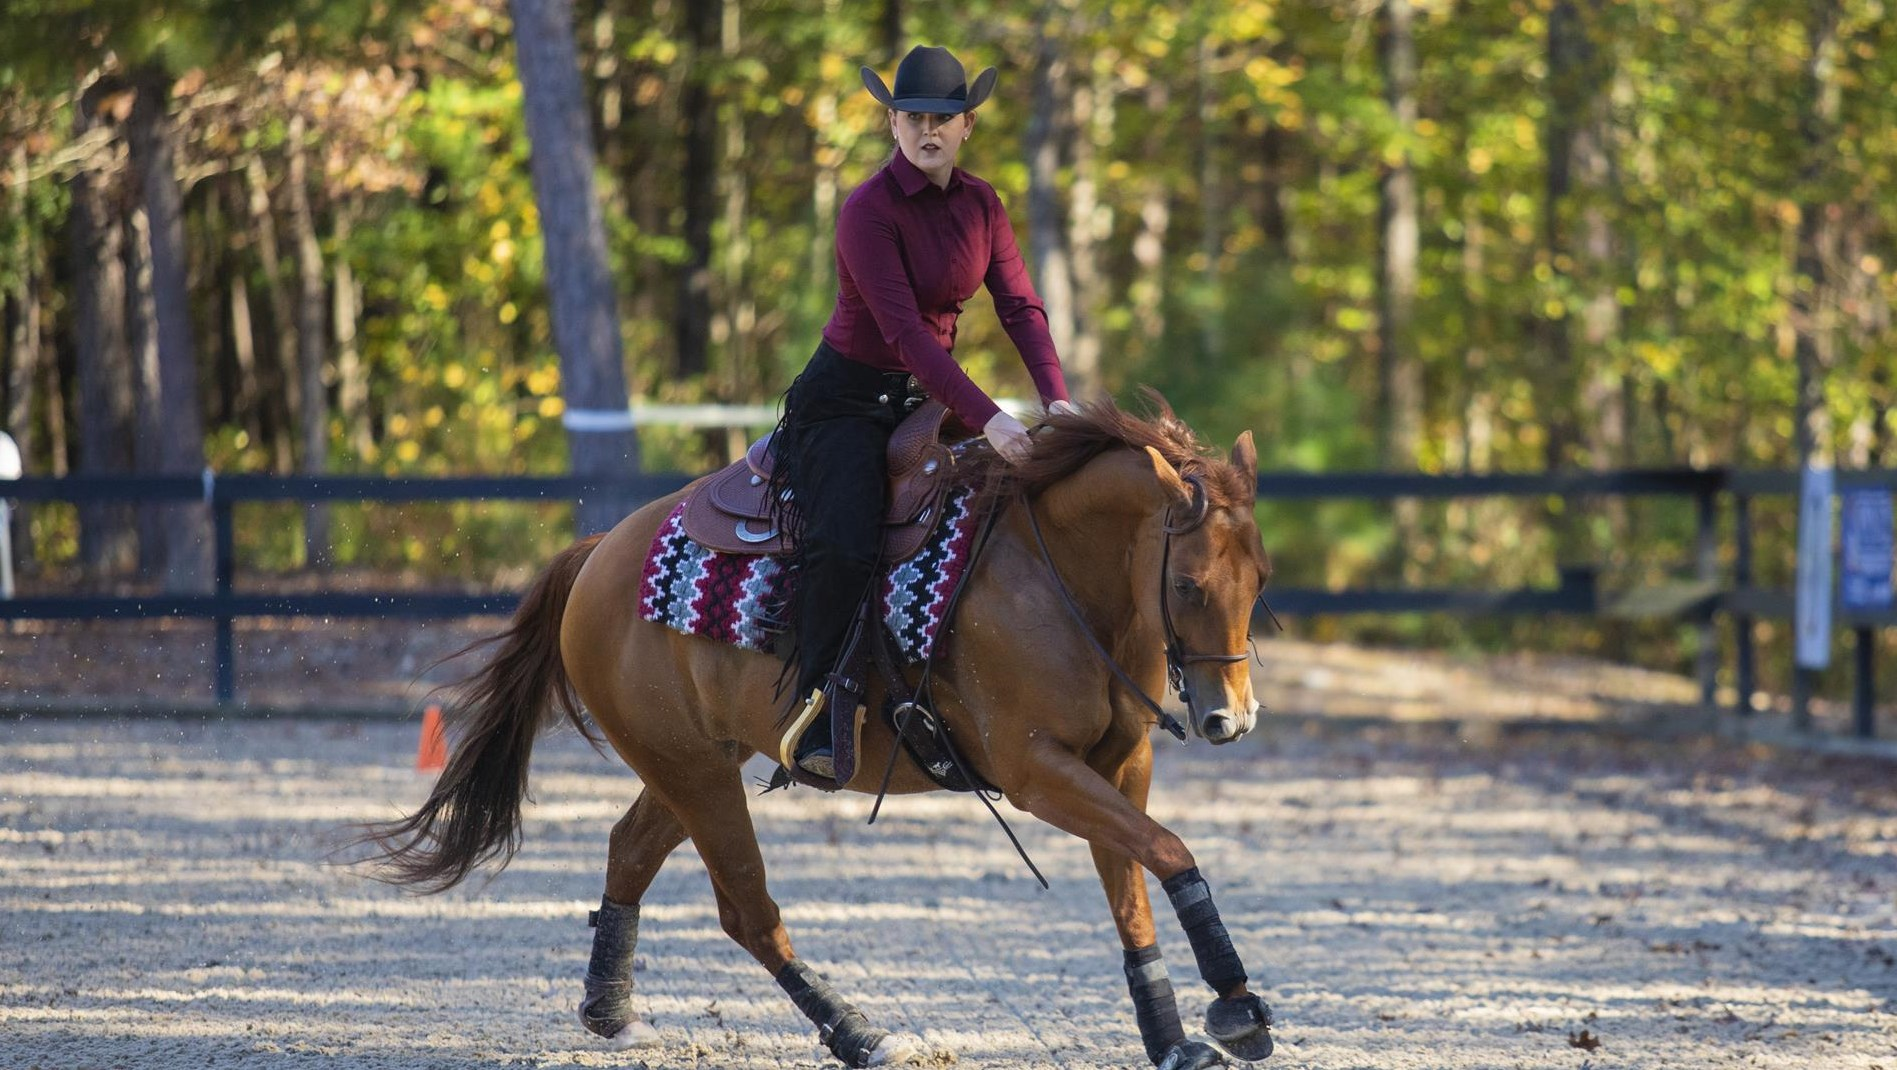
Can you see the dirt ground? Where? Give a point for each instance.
(1406, 900)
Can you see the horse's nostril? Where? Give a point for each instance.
(1219, 726)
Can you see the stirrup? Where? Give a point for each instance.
(787, 747)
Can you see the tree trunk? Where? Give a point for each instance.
(282, 391)
(312, 344)
(600, 439)
(1211, 209)
(1087, 223)
(352, 378)
(1047, 238)
(826, 190)
(1400, 373)
(1149, 245)
(740, 312)
(148, 386)
(892, 30)
(1569, 59)
(24, 330)
(1399, 377)
(181, 450)
(1273, 220)
(1812, 311)
(102, 363)
(700, 107)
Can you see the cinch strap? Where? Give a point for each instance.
(608, 1001)
(1211, 944)
(841, 1027)
(1153, 1005)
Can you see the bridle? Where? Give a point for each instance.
(1177, 656)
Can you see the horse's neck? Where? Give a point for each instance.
(1102, 526)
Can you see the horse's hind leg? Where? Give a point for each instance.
(640, 843)
(716, 814)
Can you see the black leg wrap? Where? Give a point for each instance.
(607, 1005)
(1153, 1005)
(1211, 945)
(841, 1027)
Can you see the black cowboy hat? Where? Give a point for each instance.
(931, 81)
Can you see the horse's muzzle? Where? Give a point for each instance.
(1220, 728)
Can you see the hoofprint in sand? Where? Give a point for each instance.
(1535, 902)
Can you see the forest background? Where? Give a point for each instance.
(1435, 235)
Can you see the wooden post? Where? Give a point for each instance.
(1864, 691)
(1707, 568)
(1747, 669)
(226, 642)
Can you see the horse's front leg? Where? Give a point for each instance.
(1062, 790)
(1146, 979)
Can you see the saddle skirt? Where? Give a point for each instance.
(730, 511)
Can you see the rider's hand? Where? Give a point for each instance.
(1058, 408)
(1008, 437)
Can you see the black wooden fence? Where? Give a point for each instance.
(1697, 599)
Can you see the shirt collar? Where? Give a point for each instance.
(912, 181)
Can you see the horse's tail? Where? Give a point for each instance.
(473, 814)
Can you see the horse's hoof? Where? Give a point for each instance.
(1241, 1026)
(632, 1034)
(1191, 1055)
(894, 1050)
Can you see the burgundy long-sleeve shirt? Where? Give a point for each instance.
(909, 254)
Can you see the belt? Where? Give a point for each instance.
(904, 388)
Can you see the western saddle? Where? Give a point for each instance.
(730, 510)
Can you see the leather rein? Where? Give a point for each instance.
(1177, 655)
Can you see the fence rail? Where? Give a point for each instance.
(1698, 600)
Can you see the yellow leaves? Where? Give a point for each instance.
(551, 408)
(1787, 212)
(434, 416)
(543, 381)
(509, 312)
(399, 425)
(830, 67)
(408, 452)
(1480, 161)
(1663, 358)
(453, 376)
(435, 297)
(792, 96)
(1527, 135)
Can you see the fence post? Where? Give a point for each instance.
(10, 469)
(1747, 669)
(1864, 690)
(1706, 557)
(226, 551)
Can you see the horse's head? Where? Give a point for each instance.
(1214, 573)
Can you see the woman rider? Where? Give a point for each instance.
(912, 244)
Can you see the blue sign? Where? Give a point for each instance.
(1864, 581)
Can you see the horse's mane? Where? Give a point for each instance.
(1066, 442)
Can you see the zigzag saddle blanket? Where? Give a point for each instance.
(739, 599)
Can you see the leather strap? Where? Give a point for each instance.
(1165, 720)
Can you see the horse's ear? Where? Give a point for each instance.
(1168, 477)
(1245, 459)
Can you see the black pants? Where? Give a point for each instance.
(830, 448)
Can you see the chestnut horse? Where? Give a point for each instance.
(1107, 502)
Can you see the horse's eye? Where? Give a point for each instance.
(1184, 587)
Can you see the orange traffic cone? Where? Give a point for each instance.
(432, 754)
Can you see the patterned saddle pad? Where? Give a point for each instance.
(739, 599)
